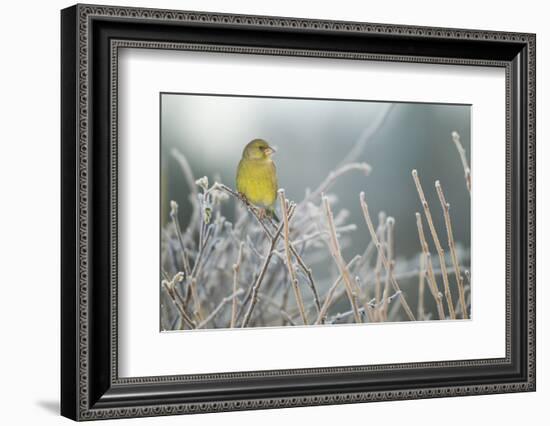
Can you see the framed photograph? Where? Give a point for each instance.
(263, 212)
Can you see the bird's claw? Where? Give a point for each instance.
(262, 214)
(243, 198)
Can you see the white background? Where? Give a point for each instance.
(140, 343)
(29, 214)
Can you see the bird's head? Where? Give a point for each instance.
(258, 149)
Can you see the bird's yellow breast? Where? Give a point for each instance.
(257, 180)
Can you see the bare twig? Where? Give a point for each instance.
(170, 287)
(317, 235)
(439, 248)
(270, 302)
(309, 274)
(446, 207)
(390, 224)
(340, 316)
(306, 270)
(467, 274)
(196, 299)
(259, 279)
(219, 307)
(205, 232)
(458, 309)
(395, 307)
(378, 266)
(462, 152)
(432, 283)
(175, 221)
(289, 263)
(330, 294)
(284, 302)
(333, 176)
(236, 267)
(385, 262)
(251, 208)
(366, 257)
(369, 311)
(421, 284)
(337, 255)
(367, 134)
(371, 305)
(406, 275)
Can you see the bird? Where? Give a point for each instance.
(257, 177)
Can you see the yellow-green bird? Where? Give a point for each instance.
(257, 176)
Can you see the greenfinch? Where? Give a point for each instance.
(257, 176)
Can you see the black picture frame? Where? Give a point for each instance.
(90, 386)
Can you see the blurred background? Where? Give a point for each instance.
(312, 138)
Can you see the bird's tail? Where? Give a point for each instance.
(273, 215)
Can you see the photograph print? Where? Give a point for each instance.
(292, 212)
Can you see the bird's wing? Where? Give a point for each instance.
(257, 180)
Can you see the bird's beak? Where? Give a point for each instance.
(270, 150)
